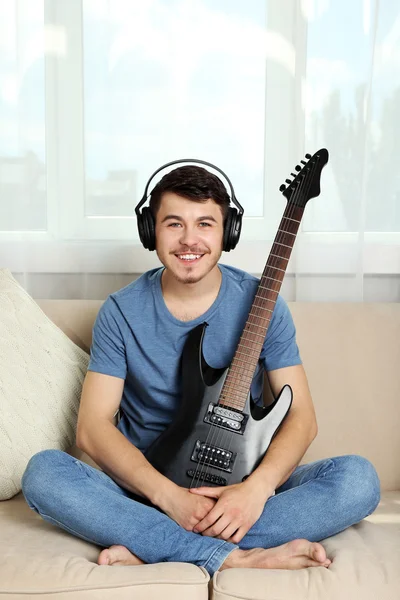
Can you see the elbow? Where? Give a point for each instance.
(79, 439)
(314, 431)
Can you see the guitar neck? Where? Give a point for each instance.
(240, 374)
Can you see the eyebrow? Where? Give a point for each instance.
(178, 218)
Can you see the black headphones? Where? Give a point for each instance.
(233, 222)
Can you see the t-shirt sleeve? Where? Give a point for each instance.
(280, 347)
(107, 351)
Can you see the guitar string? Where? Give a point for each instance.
(220, 432)
(217, 436)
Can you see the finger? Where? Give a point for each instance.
(228, 532)
(218, 527)
(214, 514)
(207, 491)
(239, 535)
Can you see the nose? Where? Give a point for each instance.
(189, 236)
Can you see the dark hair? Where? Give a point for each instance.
(194, 183)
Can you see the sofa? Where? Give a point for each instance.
(351, 353)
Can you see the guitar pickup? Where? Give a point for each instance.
(213, 456)
(226, 418)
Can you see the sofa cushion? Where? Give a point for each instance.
(41, 377)
(365, 566)
(39, 559)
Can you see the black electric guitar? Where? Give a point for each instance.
(220, 435)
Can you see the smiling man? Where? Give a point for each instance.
(277, 517)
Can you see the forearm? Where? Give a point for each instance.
(122, 461)
(284, 453)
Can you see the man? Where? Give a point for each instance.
(278, 515)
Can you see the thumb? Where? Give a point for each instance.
(211, 492)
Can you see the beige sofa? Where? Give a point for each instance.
(351, 353)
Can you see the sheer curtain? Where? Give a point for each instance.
(95, 95)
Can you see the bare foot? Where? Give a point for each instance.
(297, 554)
(118, 555)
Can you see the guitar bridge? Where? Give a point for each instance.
(213, 456)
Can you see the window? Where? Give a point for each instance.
(97, 94)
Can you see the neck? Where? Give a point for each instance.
(186, 292)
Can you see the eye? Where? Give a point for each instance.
(173, 224)
(205, 223)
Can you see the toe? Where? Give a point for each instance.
(317, 553)
(104, 558)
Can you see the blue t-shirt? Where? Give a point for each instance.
(136, 338)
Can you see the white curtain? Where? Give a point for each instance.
(95, 95)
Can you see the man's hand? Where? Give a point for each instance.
(187, 509)
(237, 508)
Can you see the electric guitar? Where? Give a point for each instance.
(220, 435)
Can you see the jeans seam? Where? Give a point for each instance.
(68, 529)
(217, 551)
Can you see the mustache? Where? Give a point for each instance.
(190, 251)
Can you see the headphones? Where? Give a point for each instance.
(233, 222)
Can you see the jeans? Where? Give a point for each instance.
(317, 501)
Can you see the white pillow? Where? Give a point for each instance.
(41, 377)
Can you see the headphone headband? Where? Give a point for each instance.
(190, 160)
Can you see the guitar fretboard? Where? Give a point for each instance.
(240, 374)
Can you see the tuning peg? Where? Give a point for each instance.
(293, 174)
(298, 168)
(303, 162)
(288, 181)
(308, 156)
(282, 188)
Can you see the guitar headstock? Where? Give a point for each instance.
(306, 182)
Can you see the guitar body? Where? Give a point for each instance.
(236, 441)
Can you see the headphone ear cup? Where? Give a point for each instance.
(146, 228)
(233, 226)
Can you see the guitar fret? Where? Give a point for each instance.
(278, 280)
(246, 354)
(277, 268)
(253, 333)
(232, 393)
(280, 244)
(236, 388)
(284, 231)
(267, 288)
(262, 308)
(277, 256)
(248, 347)
(262, 298)
(259, 326)
(260, 317)
(290, 219)
(234, 403)
(233, 390)
(246, 360)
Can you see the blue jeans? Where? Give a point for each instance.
(317, 501)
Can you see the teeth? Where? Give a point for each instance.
(189, 256)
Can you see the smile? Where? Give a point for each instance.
(189, 258)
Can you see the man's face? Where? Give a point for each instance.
(189, 236)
